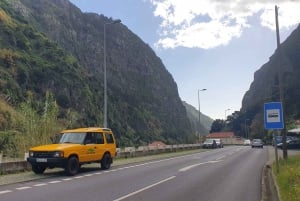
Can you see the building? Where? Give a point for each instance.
(226, 137)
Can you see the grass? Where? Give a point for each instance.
(288, 178)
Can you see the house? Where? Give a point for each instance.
(226, 137)
(157, 144)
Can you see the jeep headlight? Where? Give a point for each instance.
(31, 154)
(58, 154)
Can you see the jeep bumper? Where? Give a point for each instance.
(48, 162)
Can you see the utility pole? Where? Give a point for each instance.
(199, 90)
(281, 91)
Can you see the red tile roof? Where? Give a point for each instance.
(221, 135)
(157, 143)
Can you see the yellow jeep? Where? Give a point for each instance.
(74, 148)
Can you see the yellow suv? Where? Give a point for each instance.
(74, 148)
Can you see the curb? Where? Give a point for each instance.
(269, 186)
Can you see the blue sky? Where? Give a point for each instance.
(211, 44)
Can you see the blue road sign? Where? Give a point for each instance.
(273, 115)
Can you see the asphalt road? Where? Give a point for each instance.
(228, 174)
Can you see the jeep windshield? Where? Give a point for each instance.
(73, 138)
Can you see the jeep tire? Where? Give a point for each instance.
(72, 166)
(106, 161)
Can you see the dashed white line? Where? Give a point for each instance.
(23, 188)
(3, 192)
(42, 184)
(54, 182)
(195, 165)
(68, 179)
(143, 189)
(220, 158)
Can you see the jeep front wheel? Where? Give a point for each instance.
(72, 166)
(37, 169)
(106, 162)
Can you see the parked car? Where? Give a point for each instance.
(257, 143)
(219, 143)
(210, 144)
(279, 139)
(247, 142)
(291, 144)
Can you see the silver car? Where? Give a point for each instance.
(257, 143)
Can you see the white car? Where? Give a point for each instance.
(247, 142)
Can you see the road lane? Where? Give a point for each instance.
(233, 173)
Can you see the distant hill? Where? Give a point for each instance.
(193, 115)
(53, 46)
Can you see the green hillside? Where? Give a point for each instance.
(52, 54)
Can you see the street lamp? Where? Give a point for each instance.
(199, 108)
(105, 81)
(225, 113)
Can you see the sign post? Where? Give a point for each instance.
(273, 116)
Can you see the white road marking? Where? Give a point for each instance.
(3, 192)
(143, 189)
(67, 179)
(195, 165)
(220, 158)
(54, 182)
(42, 184)
(79, 177)
(23, 188)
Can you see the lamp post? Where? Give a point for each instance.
(104, 71)
(225, 113)
(199, 109)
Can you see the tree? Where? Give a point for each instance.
(217, 126)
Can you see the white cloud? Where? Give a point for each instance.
(211, 23)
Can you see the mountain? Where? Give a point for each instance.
(53, 46)
(278, 77)
(193, 115)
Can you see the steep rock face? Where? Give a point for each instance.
(193, 115)
(280, 71)
(143, 100)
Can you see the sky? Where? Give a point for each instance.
(215, 45)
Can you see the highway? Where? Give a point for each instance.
(228, 174)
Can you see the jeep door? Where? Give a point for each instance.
(110, 144)
(91, 152)
(100, 144)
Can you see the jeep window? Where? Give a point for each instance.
(76, 138)
(99, 138)
(109, 138)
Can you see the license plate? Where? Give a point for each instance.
(41, 160)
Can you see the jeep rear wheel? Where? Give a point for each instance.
(72, 166)
(106, 161)
(37, 169)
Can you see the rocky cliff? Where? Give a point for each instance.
(64, 51)
(278, 77)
